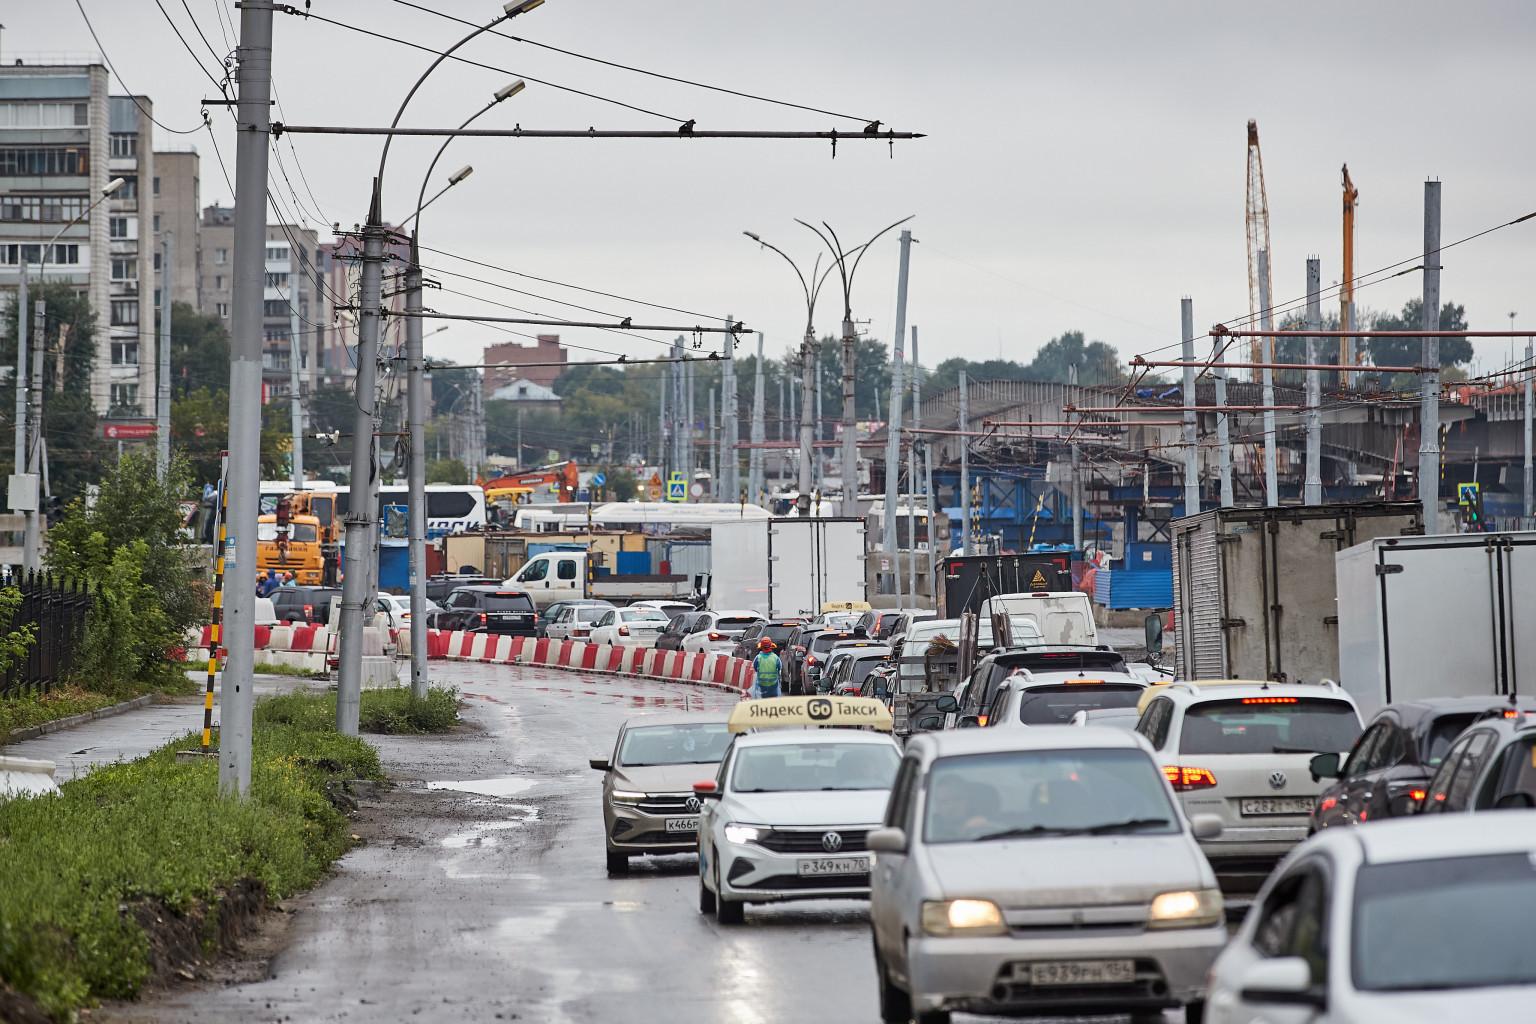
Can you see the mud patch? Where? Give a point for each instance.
(180, 942)
(16, 1008)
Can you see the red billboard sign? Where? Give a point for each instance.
(127, 430)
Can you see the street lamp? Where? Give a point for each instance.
(845, 273)
(363, 514)
(811, 288)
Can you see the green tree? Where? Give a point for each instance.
(199, 351)
(1096, 361)
(447, 471)
(1407, 351)
(200, 432)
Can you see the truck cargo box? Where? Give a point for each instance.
(971, 579)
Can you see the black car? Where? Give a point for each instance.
(439, 587)
(793, 656)
(303, 604)
(777, 630)
(679, 629)
(487, 609)
(991, 670)
(1403, 745)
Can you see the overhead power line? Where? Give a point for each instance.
(132, 96)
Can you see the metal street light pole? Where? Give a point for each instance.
(893, 424)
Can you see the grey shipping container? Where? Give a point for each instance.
(1253, 588)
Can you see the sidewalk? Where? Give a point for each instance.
(134, 733)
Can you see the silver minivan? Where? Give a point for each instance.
(1028, 871)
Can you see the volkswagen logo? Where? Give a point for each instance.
(832, 842)
(1277, 780)
(818, 709)
(694, 805)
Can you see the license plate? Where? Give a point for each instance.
(834, 866)
(1278, 805)
(1083, 972)
(682, 824)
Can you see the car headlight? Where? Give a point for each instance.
(963, 917)
(626, 796)
(1186, 908)
(735, 833)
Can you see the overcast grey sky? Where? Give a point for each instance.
(1084, 167)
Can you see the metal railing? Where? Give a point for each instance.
(57, 610)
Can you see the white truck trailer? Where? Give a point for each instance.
(1437, 616)
(788, 566)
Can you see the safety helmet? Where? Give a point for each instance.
(765, 644)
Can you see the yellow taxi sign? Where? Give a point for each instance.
(806, 712)
(844, 606)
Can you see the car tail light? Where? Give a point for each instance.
(1511, 713)
(1328, 804)
(812, 660)
(1417, 795)
(623, 631)
(1184, 779)
(581, 632)
(982, 719)
(716, 636)
(799, 648)
(1271, 700)
(309, 613)
(484, 618)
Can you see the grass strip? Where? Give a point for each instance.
(393, 711)
(27, 710)
(141, 841)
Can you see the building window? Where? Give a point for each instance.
(125, 396)
(157, 263)
(277, 252)
(276, 279)
(125, 312)
(63, 253)
(43, 209)
(42, 115)
(125, 353)
(274, 308)
(117, 227)
(157, 184)
(218, 282)
(157, 223)
(222, 308)
(125, 144)
(129, 189)
(221, 257)
(43, 161)
(126, 268)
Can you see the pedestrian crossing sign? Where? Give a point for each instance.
(1466, 494)
(677, 487)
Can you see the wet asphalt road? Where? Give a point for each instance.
(480, 894)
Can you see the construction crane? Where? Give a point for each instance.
(1350, 350)
(1258, 241)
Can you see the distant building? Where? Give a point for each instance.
(527, 394)
(177, 191)
(341, 265)
(507, 363)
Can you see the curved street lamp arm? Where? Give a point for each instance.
(439, 155)
(810, 295)
(863, 249)
(837, 257)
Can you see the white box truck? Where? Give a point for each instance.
(788, 566)
(1437, 616)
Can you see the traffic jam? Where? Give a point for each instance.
(1040, 827)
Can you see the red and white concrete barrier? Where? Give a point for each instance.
(717, 670)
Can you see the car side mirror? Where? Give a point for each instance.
(969, 722)
(1324, 766)
(929, 723)
(946, 704)
(601, 764)
(1283, 981)
(708, 789)
(1205, 826)
(1153, 624)
(887, 840)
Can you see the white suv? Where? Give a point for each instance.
(1241, 750)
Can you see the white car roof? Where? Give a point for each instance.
(1432, 836)
(800, 737)
(738, 613)
(988, 741)
(1055, 677)
(1193, 691)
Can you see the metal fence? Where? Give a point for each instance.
(57, 611)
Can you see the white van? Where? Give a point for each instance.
(1061, 616)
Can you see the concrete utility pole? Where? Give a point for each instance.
(1267, 320)
(32, 538)
(1429, 409)
(254, 78)
(416, 428)
(1223, 432)
(295, 398)
(1528, 506)
(163, 366)
(690, 428)
(1077, 482)
(1314, 480)
(914, 376)
(965, 467)
(18, 464)
(933, 550)
(730, 466)
(893, 421)
(663, 456)
(810, 408)
(713, 459)
(755, 460)
(850, 424)
(1191, 427)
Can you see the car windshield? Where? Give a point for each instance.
(591, 613)
(812, 767)
(1442, 734)
(862, 668)
(298, 533)
(1269, 725)
(779, 633)
(1025, 633)
(650, 745)
(824, 641)
(734, 624)
(1487, 902)
(508, 603)
(1056, 704)
(1020, 794)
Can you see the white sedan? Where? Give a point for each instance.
(629, 627)
(398, 608)
(718, 632)
(1413, 919)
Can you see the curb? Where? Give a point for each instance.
(32, 732)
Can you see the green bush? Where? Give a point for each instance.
(392, 711)
(74, 867)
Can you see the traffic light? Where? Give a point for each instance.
(1475, 511)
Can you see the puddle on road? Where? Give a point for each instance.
(480, 836)
(509, 786)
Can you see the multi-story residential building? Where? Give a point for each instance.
(341, 265)
(177, 190)
(62, 139)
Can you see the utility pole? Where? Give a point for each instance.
(756, 473)
(810, 408)
(714, 444)
(690, 428)
(1314, 480)
(850, 427)
(254, 79)
(1429, 411)
(821, 472)
(965, 467)
(416, 428)
(778, 430)
(1077, 483)
(730, 467)
(19, 463)
(933, 550)
(1267, 319)
(295, 400)
(32, 539)
(1223, 431)
(915, 377)
(1191, 428)
(663, 456)
(1528, 506)
(163, 366)
(893, 421)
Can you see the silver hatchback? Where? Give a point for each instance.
(1031, 871)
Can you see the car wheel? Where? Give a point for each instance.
(1194, 1013)
(706, 898)
(895, 1004)
(618, 863)
(932, 1017)
(727, 911)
